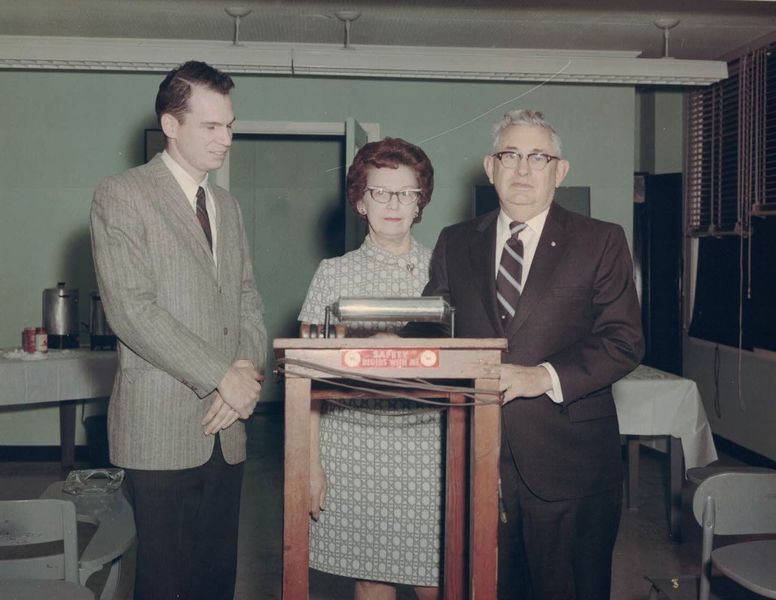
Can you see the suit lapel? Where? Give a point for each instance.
(483, 265)
(549, 253)
(173, 199)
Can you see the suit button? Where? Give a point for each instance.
(226, 330)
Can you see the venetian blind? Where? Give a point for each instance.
(731, 148)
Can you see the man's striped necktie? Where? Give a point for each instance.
(509, 281)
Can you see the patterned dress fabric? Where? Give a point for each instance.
(382, 457)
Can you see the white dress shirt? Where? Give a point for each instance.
(530, 237)
(189, 187)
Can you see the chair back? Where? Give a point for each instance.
(38, 525)
(741, 503)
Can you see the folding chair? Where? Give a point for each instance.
(732, 503)
(38, 566)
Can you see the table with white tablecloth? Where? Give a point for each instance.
(651, 402)
(59, 376)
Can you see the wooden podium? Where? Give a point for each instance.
(477, 361)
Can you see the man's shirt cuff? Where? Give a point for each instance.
(556, 393)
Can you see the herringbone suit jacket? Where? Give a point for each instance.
(181, 318)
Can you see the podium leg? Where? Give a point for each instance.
(483, 514)
(296, 520)
(454, 585)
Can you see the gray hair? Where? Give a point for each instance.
(527, 118)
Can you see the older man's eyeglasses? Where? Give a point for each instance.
(383, 196)
(536, 160)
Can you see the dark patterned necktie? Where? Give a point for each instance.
(202, 216)
(509, 281)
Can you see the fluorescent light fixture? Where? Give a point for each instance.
(400, 62)
(580, 66)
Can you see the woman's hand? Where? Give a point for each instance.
(317, 489)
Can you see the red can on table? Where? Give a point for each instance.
(41, 339)
(28, 339)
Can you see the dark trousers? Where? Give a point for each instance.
(555, 550)
(187, 524)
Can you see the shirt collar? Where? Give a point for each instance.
(188, 184)
(535, 223)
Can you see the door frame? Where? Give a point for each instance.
(300, 128)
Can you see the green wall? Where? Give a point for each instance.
(660, 134)
(62, 132)
(737, 394)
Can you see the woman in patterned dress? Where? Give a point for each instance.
(376, 467)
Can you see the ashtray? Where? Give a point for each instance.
(93, 481)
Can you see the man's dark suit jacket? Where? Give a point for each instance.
(579, 312)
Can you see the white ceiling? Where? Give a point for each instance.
(707, 29)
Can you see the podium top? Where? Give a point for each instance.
(394, 357)
(281, 344)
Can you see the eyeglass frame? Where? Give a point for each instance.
(527, 157)
(372, 188)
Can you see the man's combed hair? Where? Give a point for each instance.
(527, 118)
(175, 90)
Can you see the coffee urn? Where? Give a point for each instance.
(60, 316)
(101, 336)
